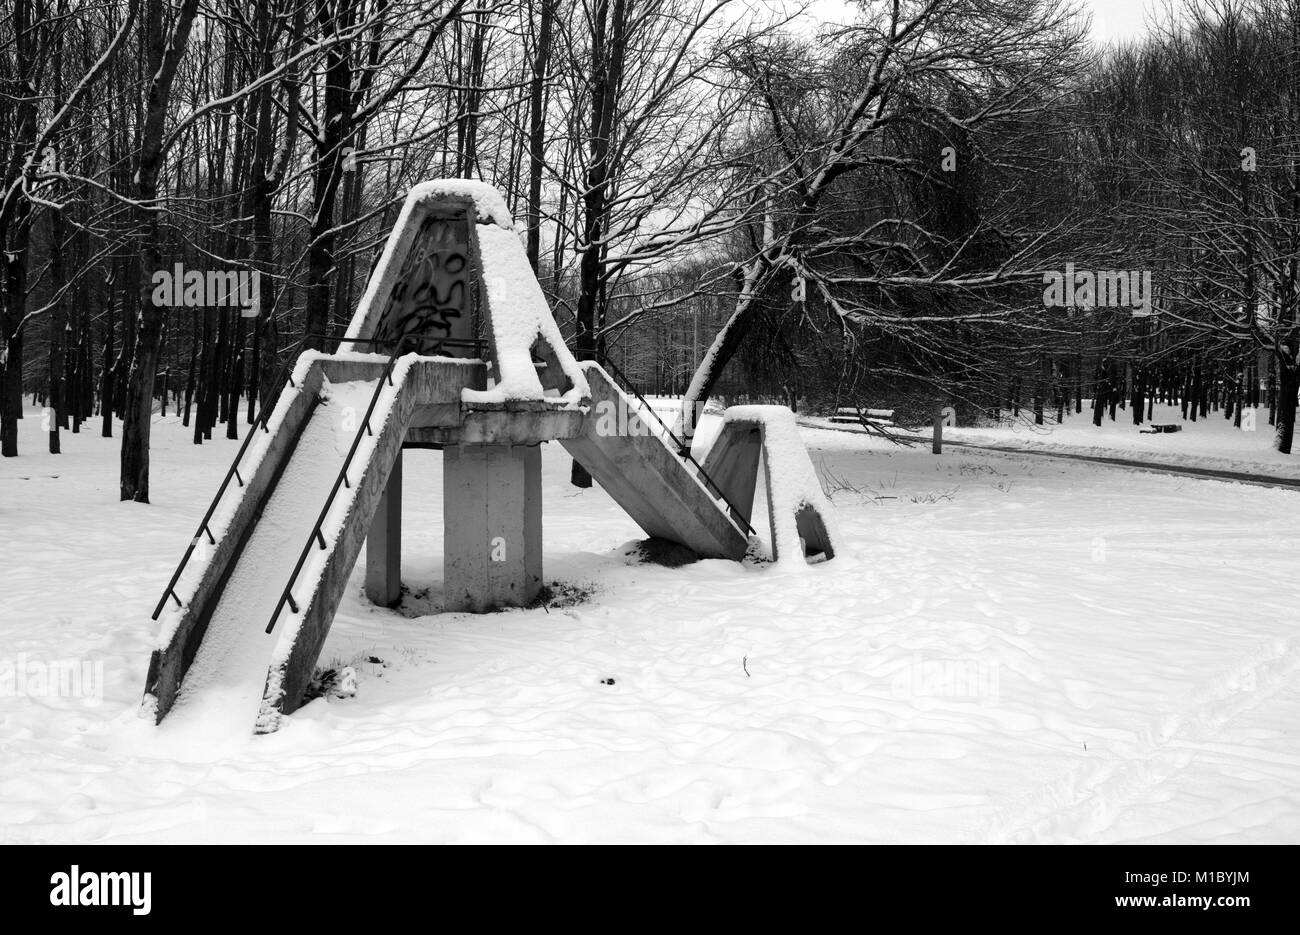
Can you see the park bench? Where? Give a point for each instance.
(852, 414)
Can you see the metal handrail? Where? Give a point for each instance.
(263, 417)
(261, 421)
(682, 449)
(286, 596)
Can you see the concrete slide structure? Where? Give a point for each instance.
(216, 666)
(799, 514)
(215, 643)
(473, 365)
(629, 459)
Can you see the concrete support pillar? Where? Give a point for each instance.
(384, 544)
(492, 526)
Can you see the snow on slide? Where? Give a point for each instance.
(792, 484)
(520, 315)
(222, 691)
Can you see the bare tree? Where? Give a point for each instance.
(1013, 58)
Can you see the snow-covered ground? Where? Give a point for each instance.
(1012, 649)
(1211, 442)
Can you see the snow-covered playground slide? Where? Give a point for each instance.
(214, 659)
(248, 612)
(285, 544)
(633, 463)
(229, 672)
(708, 507)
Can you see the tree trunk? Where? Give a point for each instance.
(15, 226)
(1136, 401)
(333, 19)
(108, 382)
(163, 53)
(537, 132)
(1288, 384)
(607, 49)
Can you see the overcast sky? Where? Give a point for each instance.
(1112, 20)
(1119, 19)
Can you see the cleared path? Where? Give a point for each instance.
(1240, 477)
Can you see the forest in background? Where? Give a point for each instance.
(720, 197)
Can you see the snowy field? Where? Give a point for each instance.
(1015, 649)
